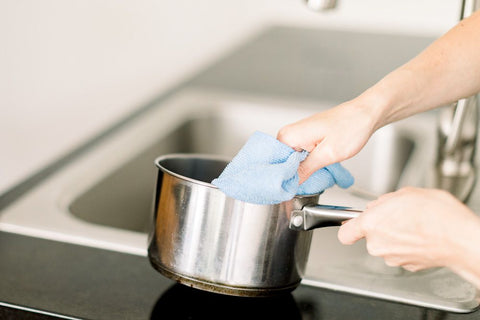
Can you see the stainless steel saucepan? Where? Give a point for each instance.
(207, 240)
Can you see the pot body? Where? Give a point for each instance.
(207, 240)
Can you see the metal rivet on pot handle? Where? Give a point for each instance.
(312, 217)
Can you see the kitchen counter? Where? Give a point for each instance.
(72, 281)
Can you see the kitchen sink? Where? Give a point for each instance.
(123, 198)
(103, 198)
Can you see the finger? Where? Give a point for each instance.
(294, 136)
(350, 232)
(383, 198)
(413, 267)
(387, 196)
(393, 261)
(320, 157)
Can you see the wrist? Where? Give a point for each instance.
(393, 98)
(375, 103)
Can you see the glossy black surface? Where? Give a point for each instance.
(90, 283)
(181, 302)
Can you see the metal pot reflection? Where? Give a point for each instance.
(207, 240)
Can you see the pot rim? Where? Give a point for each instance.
(207, 157)
(203, 156)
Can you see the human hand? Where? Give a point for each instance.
(330, 136)
(443, 73)
(416, 229)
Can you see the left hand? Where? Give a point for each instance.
(415, 228)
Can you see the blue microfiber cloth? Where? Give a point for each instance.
(265, 172)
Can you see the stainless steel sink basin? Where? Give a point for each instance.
(122, 199)
(103, 198)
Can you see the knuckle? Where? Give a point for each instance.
(286, 134)
(367, 224)
(373, 249)
(387, 196)
(443, 194)
(408, 189)
(282, 133)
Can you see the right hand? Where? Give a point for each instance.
(415, 228)
(330, 136)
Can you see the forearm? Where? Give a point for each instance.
(448, 70)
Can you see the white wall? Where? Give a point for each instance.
(68, 68)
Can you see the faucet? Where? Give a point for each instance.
(454, 168)
(321, 5)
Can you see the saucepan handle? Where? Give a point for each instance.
(312, 217)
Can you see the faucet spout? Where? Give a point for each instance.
(454, 169)
(321, 5)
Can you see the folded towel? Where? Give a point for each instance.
(265, 172)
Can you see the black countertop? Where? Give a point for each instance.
(89, 283)
(66, 280)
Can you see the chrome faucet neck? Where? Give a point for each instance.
(469, 7)
(454, 169)
(321, 5)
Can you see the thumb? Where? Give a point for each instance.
(350, 232)
(318, 158)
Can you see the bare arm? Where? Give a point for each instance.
(446, 71)
(449, 69)
(413, 228)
